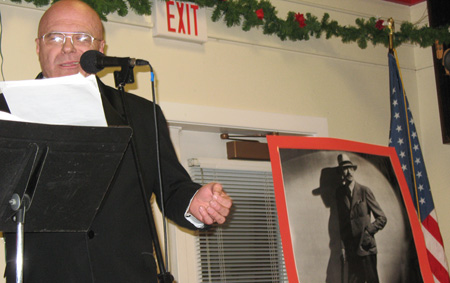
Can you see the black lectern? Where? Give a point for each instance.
(54, 178)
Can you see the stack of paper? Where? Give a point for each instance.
(71, 100)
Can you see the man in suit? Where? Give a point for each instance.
(118, 245)
(356, 204)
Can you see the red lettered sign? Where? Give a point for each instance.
(180, 20)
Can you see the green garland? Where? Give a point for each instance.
(106, 7)
(297, 26)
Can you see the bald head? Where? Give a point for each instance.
(71, 12)
(67, 17)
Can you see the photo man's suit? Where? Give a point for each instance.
(356, 204)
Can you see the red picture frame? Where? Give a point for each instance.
(298, 166)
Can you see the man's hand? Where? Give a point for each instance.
(211, 204)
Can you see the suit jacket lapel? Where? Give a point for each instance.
(356, 194)
(3, 105)
(342, 194)
(112, 105)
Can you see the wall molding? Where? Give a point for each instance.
(215, 119)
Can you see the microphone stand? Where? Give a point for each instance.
(122, 77)
(20, 207)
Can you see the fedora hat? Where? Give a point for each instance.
(344, 161)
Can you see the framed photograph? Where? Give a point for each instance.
(345, 212)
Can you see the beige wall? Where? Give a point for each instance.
(249, 71)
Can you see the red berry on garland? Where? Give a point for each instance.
(300, 19)
(379, 24)
(260, 14)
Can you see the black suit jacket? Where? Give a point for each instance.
(356, 229)
(118, 247)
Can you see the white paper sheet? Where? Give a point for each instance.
(10, 117)
(71, 100)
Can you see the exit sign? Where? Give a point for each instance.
(179, 20)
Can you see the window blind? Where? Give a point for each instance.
(247, 248)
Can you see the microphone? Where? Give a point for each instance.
(93, 61)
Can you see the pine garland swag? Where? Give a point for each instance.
(296, 27)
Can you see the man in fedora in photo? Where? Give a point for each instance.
(356, 203)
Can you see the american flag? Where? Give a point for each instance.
(404, 137)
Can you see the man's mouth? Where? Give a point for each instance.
(70, 64)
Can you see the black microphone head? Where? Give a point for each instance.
(89, 61)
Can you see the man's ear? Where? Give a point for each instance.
(37, 45)
(102, 46)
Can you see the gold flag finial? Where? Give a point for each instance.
(391, 34)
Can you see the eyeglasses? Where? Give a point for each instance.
(76, 38)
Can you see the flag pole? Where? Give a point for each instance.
(391, 35)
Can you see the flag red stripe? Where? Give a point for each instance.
(433, 228)
(437, 269)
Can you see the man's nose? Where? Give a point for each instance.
(67, 46)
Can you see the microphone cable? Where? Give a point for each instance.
(164, 276)
(158, 163)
